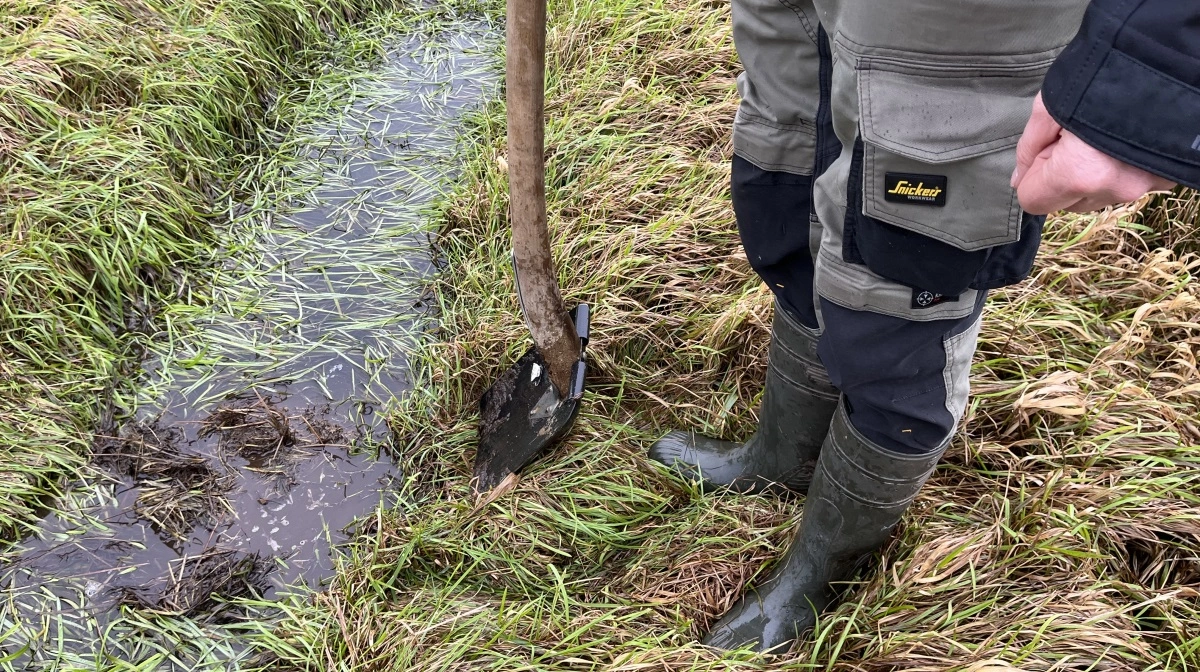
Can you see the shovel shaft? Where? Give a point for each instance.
(545, 313)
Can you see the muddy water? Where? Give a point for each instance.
(255, 445)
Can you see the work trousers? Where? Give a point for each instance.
(874, 146)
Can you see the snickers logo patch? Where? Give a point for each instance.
(926, 299)
(915, 189)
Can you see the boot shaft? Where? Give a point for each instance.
(859, 492)
(798, 398)
(797, 403)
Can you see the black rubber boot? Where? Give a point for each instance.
(797, 402)
(858, 494)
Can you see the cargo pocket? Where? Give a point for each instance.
(933, 168)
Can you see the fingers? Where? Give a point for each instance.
(1041, 132)
(1135, 187)
(1072, 175)
(1045, 189)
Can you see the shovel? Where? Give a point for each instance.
(534, 403)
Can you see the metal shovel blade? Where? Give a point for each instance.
(522, 414)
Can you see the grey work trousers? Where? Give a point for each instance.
(874, 146)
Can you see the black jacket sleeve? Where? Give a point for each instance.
(1129, 85)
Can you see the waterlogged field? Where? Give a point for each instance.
(257, 436)
(1062, 531)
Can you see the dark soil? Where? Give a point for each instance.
(177, 491)
(203, 583)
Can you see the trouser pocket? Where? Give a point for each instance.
(930, 203)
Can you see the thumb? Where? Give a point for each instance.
(1041, 131)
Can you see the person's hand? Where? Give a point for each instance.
(1058, 171)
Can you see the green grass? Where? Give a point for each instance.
(125, 127)
(1062, 531)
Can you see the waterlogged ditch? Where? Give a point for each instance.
(258, 438)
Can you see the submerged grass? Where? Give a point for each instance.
(124, 126)
(1061, 533)
(325, 239)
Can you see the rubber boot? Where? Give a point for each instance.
(798, 401)
(858, 494)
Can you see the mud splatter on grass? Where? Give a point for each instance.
(271, 442)
(203, 584)
(176, 491)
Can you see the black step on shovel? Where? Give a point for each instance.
(533, 404)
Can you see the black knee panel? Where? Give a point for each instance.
(772, 210)
(893, 374)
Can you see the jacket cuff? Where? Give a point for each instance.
(1125, 108)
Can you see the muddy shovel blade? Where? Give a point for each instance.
(522, 414)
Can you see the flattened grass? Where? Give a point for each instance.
(1062, 532)
(123, 127)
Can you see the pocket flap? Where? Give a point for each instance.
(943, 113)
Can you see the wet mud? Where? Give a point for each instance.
(256, 444)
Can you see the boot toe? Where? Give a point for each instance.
(712, 462)
(726, 639)
(762, 622)
(743, 625)
(671, 449)
(677, 450)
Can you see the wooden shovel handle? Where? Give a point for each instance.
(525, 43)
